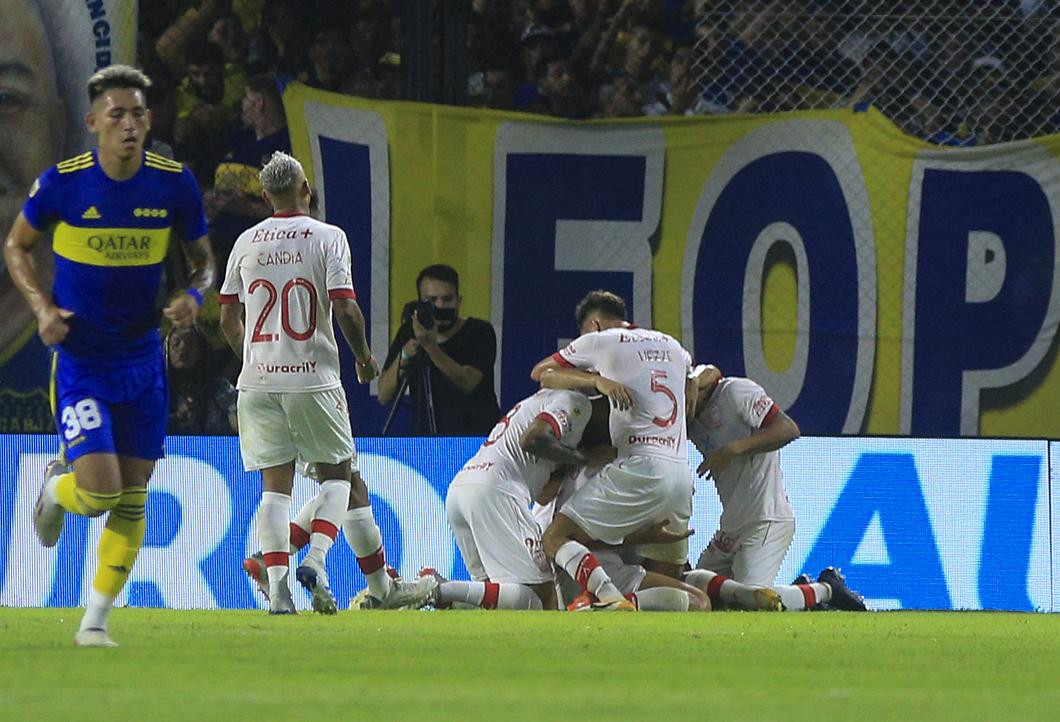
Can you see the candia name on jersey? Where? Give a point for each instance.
(287, 270)
(503, 460)
(653, 366)
(110, 240)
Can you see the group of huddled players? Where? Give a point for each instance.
(589, 475)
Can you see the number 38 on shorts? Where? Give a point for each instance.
(81, 416)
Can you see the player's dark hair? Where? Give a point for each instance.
(439, 272)
(117, 76)
(603, 302)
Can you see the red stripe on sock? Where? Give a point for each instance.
(299, 536)
(325, 527)
(585, 568)
(632, 596)
(808, 595)
(276, 559)
(714, 587)
(491, 595)
(373, 562)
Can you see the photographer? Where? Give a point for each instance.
(447, 360)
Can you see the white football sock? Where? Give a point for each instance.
(363, 536)
(584, 569)
(489, 595)
(97, 612)
(274, 534)
(333, 497)
(800, 597)
(661, 599)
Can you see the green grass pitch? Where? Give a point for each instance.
(233, 665)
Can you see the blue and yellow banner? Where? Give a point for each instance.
(872, 283)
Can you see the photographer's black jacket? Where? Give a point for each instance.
(456, 414)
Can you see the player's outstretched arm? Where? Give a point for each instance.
(351, 323)
(183, 309)
(51, 320)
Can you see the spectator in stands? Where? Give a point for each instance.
(620, 99)
(226, 32)
(200, 401)
(560, 93)
(681, 91)
(639, 63)
(278, 46)
(331, 58)
(206, 103)
(235, 203)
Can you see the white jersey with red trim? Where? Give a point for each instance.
(501, 460)
(653, 366)
(287, 270)
(751, 488)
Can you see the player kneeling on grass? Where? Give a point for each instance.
(291, 401)
(739, 430)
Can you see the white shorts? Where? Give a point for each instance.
(630, 494)
(752, 555)
(497, 535)
(312, 427)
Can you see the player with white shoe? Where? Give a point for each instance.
(643, 374)
(290, 273)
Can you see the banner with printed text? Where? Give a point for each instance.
(872, 283)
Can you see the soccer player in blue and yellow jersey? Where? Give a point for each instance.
(112, 212)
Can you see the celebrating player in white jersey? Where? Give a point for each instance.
(289, 273)
(488, 504)
(738, 429)
(643, 373)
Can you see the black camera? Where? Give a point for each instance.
(424, 311)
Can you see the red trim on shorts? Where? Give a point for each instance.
(808, 595)
(714, 587)
(586, 567)
(325, 527)
(226, 298)
(562, 361)
(372, 562)
(299, 536)
(770, 415)
(551, 420)
(491, 594)
(277, 559)
(349, 293)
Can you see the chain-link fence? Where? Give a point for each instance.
(954, 72)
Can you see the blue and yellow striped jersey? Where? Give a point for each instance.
(110, 241)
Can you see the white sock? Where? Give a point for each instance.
(304, 521)
(97, 612)
(661, 599)
(363, 536)
(798, 598)
(274, 534)
(721, 588)
(584, 569)
(333, 497)
(489, 595)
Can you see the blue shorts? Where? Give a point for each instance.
(111, 408)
